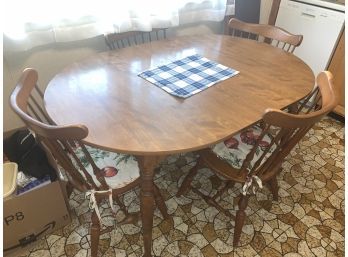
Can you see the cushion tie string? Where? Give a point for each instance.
(93, 202)
(253, 181)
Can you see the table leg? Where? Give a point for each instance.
(147, 165)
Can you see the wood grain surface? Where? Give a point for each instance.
(337, 67)
(124, 112)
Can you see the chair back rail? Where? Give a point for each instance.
(59, 154)
(287, 129)
(60, 140)
(271, 34)
(35, 105)
(126, 39)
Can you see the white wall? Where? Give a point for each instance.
(50, 59)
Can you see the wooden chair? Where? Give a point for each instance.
(126, 39)
(270, 34)
(254, 156)
(101, 174)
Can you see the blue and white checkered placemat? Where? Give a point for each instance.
(188, 76)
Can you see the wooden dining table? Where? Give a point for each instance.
(127, 114)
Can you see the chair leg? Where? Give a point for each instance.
(220, 192)
(211, 201)
(121, 204)
(186, 183)
(240, 218)
(274, 188)
(129, 217)
(69, 188)
(160, 202)
(95, 233)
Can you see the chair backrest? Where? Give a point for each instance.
(270, 34)
(35, 105)
(126, 39)
(60, 140)
(287, 129)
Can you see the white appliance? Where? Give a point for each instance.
(320, 23)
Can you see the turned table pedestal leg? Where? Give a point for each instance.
(147, 164)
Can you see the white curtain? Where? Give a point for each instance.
(39, 22)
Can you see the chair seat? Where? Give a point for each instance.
(119, 169)
(235, 149)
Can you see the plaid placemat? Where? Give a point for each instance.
(188, 76)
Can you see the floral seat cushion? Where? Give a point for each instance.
(235, 149)
(119, 169)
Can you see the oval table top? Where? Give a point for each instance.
(128, 114)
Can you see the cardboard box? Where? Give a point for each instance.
(34, 214)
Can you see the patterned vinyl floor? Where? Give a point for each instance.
(308, 219)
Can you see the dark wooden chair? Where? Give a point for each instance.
(126, 39)
(268, 33)
(101, 174)
(254, 156)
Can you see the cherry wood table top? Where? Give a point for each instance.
(125, 113)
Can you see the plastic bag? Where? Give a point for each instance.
(23, 149)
